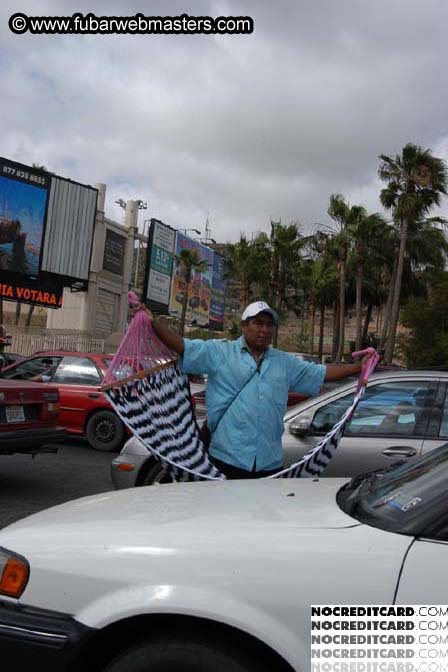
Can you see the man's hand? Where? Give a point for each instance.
(135, 307)
(168, 337)
(359, 362)
(364, 360)
(340, 371)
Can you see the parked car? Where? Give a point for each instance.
(402, 416)
(218, 576)
(29, 418)
(83, 407)
(7, 358)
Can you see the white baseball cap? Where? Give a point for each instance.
(257, 307)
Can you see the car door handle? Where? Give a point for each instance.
(94, 396)
(401, 451)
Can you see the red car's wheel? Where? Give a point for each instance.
(105, 431)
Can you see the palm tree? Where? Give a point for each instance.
(286, 242)
(285, 245)
(189, 261)
(247, 263)
(367, 232)
(322, 286)
(341, 213)
(415, 181)
(319, 278)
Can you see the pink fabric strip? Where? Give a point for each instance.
(368, 366)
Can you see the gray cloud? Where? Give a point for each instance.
(243, 127)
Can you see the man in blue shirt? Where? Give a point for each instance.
(247, 390)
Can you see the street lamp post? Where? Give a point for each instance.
(140, 242)
(187, 230)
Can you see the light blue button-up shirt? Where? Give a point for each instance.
(250, 431)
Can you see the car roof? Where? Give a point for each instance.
(68, 353)
(59, 353)
(406, 373)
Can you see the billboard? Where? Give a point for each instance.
(46, 233)
(159, 266)
(114, 249)
(218, 295)
(23, 204)
(69, 230)
(164, 285)
(40, 292)
(199, 293)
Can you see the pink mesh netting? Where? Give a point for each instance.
(139, 352)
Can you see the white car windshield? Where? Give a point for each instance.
(410, 499)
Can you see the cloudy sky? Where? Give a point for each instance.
(244, 127)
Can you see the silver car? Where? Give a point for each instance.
(402, 416)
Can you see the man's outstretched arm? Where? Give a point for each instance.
(341, 371)
(167, 336)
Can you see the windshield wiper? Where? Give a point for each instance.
(361, 478)
(367, 475)
(362, 483)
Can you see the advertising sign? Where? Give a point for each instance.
(47, 293)
(218, 295)
(114, 249)
(165, 285)
(23, 203)
(69, 229)
(159, 266)
(199, 292)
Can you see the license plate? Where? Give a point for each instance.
(15, 414)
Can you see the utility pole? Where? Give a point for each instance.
(208, 238)
(131, 209)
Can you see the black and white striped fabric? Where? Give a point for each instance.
(316, 460)
(158, 410)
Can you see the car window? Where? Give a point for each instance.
(443, 417)
(77, 371)
(328, 415)
(400, 408)
(29, 368)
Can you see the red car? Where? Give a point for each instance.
(29, 414)
(77, 377)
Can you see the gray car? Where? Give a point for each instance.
(402, 416)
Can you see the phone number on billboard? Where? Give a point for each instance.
(14, 172)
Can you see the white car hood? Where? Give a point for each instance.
(134, 515)
(252, 554)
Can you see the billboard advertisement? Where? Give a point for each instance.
(218, 294)
(69, 229)
(23, 204)
(159, 266)
(46, 233)
(47, 293)
(114, 249)
(200, 290)
(164, 284)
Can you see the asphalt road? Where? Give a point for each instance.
(29, 485)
